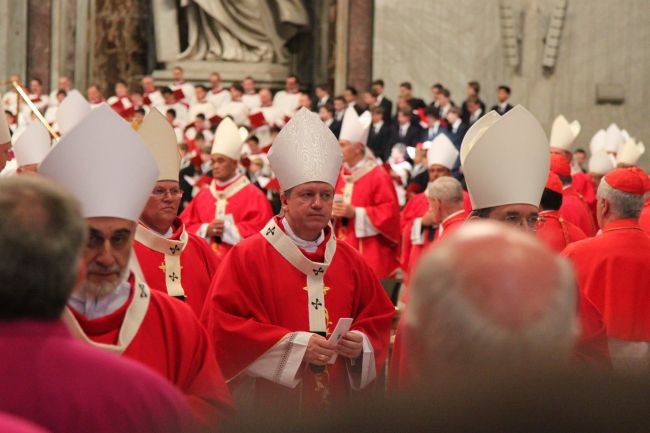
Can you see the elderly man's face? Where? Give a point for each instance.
(160, 211)
(223, 168)
(308, 207)
(350, 151)
(107, 253)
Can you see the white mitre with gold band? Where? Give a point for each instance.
(5, 135)
(355, 128)
(505, 159)
(159, 136)
(563, 133)
(305, 150)
(105, 165)
(73, 109)
(442, 152)
(631, 152)
(33, 145)
(227, 140)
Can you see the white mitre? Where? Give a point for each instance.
(73, 109)
(614, 138)
(105, 165)
(442, 151)
(227, 140)
(305, 150)
(597, 142)
(505, 159)
(563, 133)
(33, 145)
(355, 128)
(5, 135)
(600, 163)
(159, 136)
(631, 152)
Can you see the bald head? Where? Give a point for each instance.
(488, 297)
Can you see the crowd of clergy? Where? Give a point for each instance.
(182, 257)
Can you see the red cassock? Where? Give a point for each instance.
(168, 338)
(248, 206)
(197, 264)
(399, 375)
(374, 192)
(613, 273)
(556, 232)
(644, 218)
(575, 210)
(583, 185)
(258, 298)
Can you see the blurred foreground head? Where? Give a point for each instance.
(493, 299)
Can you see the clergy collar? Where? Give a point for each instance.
(309, 246)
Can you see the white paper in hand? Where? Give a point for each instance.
(342, 327)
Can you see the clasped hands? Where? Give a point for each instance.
(319, 350)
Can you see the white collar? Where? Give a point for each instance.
(93, 308)
(456, 124)
(356, 166)
(226, 182)
(503, 104)
(328, 122)
(309, 246)
(378, 124)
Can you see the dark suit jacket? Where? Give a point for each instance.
(501, 112)
(379, 142)
(335, 127)
(412, 136)
(317, 103)
(464, 114)
(457, 137)
(417, 103)
(387, 105)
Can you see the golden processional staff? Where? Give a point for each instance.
(32, 107)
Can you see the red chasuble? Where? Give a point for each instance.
(374, 192)
(576, 211)
(644, 218)
(249, 207)
(556, 232)
(170, 340)
(613, 271)
(258, 297)
(197, 264)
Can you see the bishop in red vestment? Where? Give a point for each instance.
(554, 230)
(231, 209)
(574, 209)
(612, 268)
(110, 308)
(280, 294)
(366, 207)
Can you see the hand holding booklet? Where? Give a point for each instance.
(342, 327)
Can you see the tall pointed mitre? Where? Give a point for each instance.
(600, 163)
(563, 133)
(597, 142)
(227, 139)
(5, 135)
(355, 128)
(73, 109)
(33, 145)
(631, 152)
(614, 138)
(159, 136)
(105, 165)
(505, 159)
(442, 152)
(305, 150)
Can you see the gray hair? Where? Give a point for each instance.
(452, 332)
(42, 234)
(623, 204)
(446, 189)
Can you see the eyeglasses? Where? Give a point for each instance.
(533, 222)
(161, 192)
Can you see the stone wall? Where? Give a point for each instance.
(452, 42)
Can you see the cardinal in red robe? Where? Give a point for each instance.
(574, 209)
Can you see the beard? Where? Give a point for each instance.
(91, 289)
